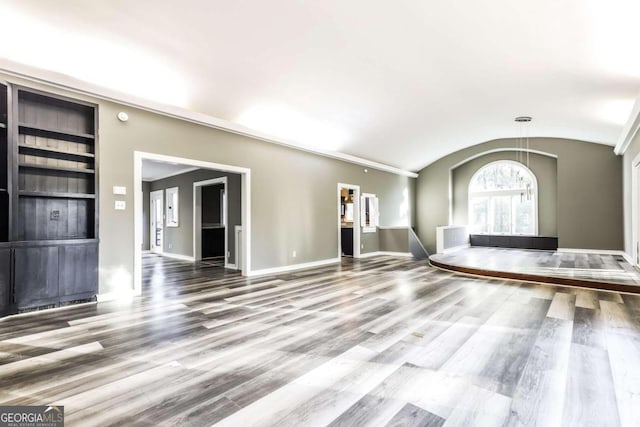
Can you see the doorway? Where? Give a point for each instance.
(210, 236)
(156, 224)
(177, 240)
(348, 220)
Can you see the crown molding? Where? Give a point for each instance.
(629, 130)
(67, 83)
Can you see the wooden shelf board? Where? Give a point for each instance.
(26, 128)
(55, 150)
(50, 194)
(56, 168)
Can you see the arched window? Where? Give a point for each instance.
(503, 199)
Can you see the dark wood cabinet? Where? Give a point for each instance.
(78, 271)
(6, 288)
(36, 276)
(48, 199)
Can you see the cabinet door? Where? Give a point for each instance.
(5, 280)
(78, 271)
(36, 276)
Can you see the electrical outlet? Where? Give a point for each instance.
(54, 215)
(228, 254)
(361, 245)
(294, 254)
(120, 205)
(170, 245)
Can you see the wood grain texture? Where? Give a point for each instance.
(375, 342)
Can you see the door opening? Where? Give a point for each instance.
(348, 220)
(156, 234)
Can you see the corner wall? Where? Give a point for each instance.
(589, 192)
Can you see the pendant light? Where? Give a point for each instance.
(522, 148)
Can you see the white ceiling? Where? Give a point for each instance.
(402, 83)
(154, 170)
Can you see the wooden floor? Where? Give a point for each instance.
(381, 341)
(601, 268)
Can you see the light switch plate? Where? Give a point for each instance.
(119, 190)
(120, 205)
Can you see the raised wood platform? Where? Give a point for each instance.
(595, 271)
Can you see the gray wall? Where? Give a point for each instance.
(631, 152)
(179, 240)
(543, 167)
(211, 203)
(589, 192)
(394, 239)
(293, 192)
(146, 191)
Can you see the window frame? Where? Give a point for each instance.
(490, 195)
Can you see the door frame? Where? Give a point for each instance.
(635, 210)
(152, 215)
(245, 176)
(356, 219)
(197, 218)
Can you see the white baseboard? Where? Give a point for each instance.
(292, 267)
(388, 253)
(231, 266)
(180, 257)
(112, 296)
(455, 249)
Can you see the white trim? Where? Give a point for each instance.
(197, 225)
(230, 267)
(112, 296)
(237, 242)
(385, 253)
(629, 130)
(179, 257)
(635, 209)
(137, 208)
(171, 174)
(152, 247)
(77, 86)
(293, 267)
(356, 219)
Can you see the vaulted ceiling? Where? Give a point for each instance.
(402, 83)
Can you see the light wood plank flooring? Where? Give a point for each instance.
(381, 341)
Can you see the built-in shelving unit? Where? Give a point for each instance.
(48, 160)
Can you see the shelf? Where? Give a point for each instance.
(54, 133)
(56, 168)
(49, 194)
(56, 151)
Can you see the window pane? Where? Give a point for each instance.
(501, 214)
(501, 176)
(524, 214)
(479, 214)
